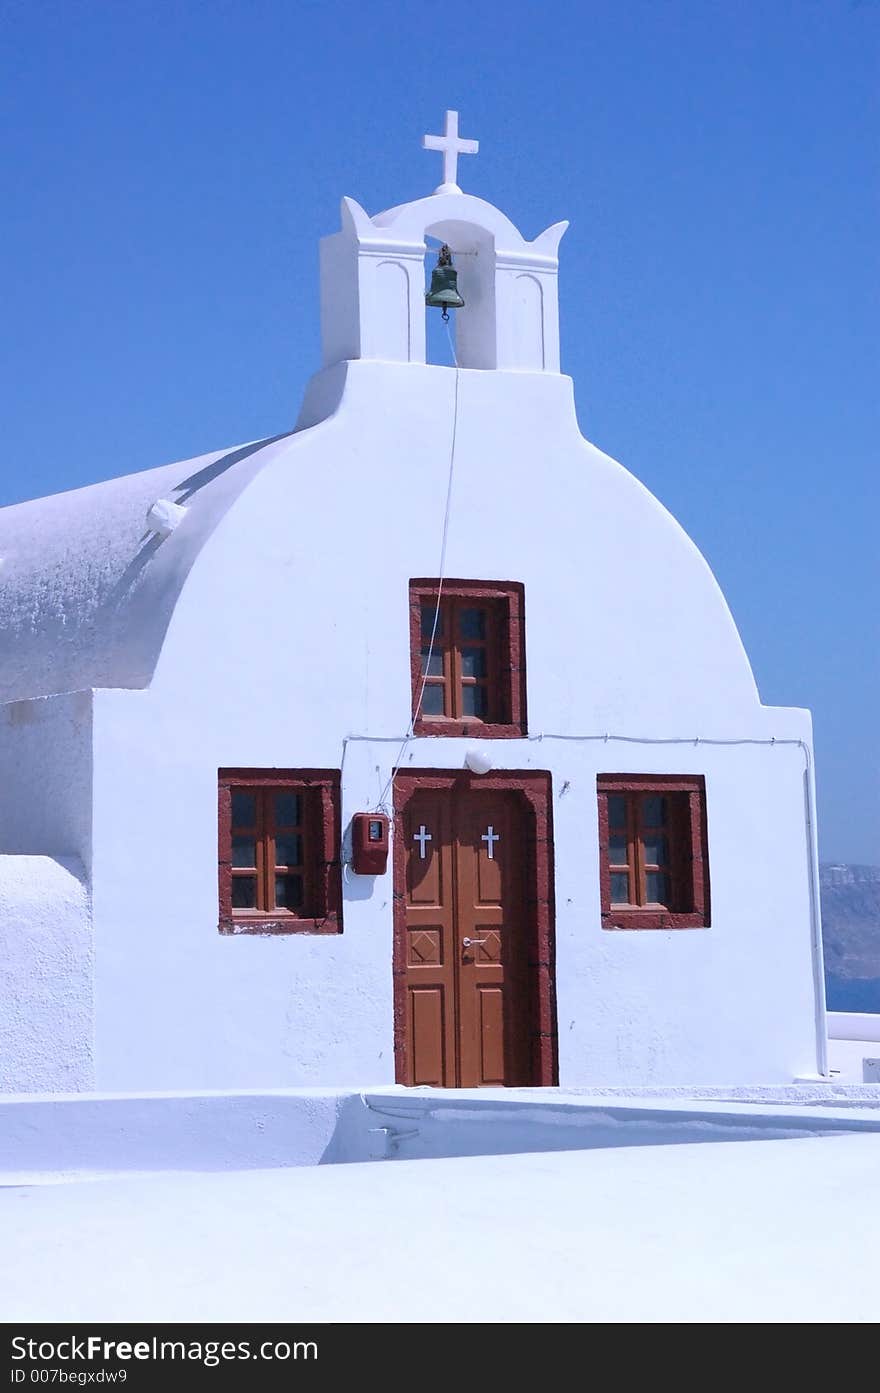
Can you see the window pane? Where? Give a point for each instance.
(657, 887)
(619, 888)
(428, 622)
(432, 699)
(244, 892)
(288, 851)
(654, 811)
(656, 849)
(472, 623)
(432, 666)
(473, 702)
(244, 851)
(473, 662)
(288, 809)
(618, 851)
(616, 810)
(288, 891)
(244, 808)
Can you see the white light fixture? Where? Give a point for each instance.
(478, 761)
(165, 517)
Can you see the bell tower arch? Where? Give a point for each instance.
(372, 279)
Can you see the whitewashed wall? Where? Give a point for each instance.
(45, 776)
(46, 959)
(46, 947)
(854, 1046)
(292, 633)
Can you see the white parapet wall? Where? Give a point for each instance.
(93, 1133)
(63, 1136)
(854, 1046)
(853, 1025)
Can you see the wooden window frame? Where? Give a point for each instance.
(321, 832)
(505, 651)
(689, 852)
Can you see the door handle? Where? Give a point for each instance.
(471, 942)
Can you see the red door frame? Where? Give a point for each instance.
(534, 788)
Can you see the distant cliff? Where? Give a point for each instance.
(851, 930)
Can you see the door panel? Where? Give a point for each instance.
(493, 1008)
(430, 941)
(428, 1036)
(491, 1069)
(467, 1002)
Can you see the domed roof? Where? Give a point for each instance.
(87, 589)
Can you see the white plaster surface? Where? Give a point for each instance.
(433, 1123)
(46, 776)
(46, 965)
(372, 285)
(759, 1232)
(88, 589)
(60, 1136)
(451, 144)
(854, 1047)
(52, 1136)
(854, 1061)
(165, 517)
(854, 1025)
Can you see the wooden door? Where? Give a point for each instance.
(464, 938)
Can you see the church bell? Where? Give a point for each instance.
(443, 294)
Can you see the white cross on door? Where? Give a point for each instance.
(422, 836)
(490, 837)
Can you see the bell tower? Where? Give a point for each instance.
(373, 278)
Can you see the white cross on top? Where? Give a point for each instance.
(491, 837)
(452, 146)
(422, 836)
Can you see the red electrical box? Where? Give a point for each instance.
(369, 843)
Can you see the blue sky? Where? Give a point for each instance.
(168, 168)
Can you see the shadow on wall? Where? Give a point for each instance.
(181, 494)
(410, 1128)
(184, 492)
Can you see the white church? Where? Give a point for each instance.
(417, 744)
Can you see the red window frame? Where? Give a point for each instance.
(687, 858)
(320, 864)
(503, 645)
